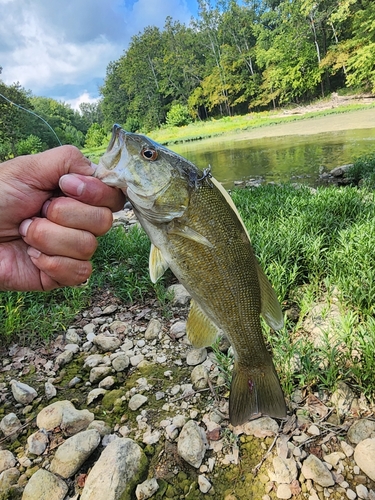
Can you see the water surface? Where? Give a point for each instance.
(283, 152)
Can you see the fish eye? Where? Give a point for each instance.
(149, 153)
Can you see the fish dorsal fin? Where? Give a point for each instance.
(270, 306)
(201, 331)
(189, 233)
(157, 264)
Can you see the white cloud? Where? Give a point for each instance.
(54, 48)
(84, 97)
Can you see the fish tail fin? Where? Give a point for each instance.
(255, 390)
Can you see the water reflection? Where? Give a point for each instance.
(278, 158)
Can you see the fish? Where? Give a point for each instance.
(196, 230)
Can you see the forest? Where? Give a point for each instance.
(235, 57)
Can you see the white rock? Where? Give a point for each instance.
(146, 489)
(121, 362)
(191, 445)
(135, 360)
(284, 491)
(360, 430)
(113, 474)
(204, 484)
(364, 454)
(49, 390)
(98, 373)
(153, 329)
(9, 478)
(313, 430)
(64, 415)
(93, 360)
(64, 358)
(334, 458)
(361, 491)
(11, 426)
(37, 442)
(351, 494)
(199, 377)
(285, 470)
(137, 401)
(261, 427)
(178, 329)
(105, 343)
(44, 485)
(347, 449)
(94, 394)
(196, 356)
(23, 393)
(7, 460)
(107, 382)
(74, 452)
(314, 469)
(74, 348)
(181, 296)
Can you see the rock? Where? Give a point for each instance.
(364, 454)
(347, 449)
(110, 309)
(89, 330)
(10, 426)
(64, 415)
(204, 484)
(284, 491)
(146, 489)
(119, 468)
(135, 360)
(22, 393)
(334, 458)
(340, 171)
(350, 494)
(105, 343)
(74, 452)
(92, 361)
(9, 478)
(181, 296)
(261, 427)
(199, 377)
(137, 401)
(94, 394)
(107, 382)
(74, 348)
(360, 430)
(49, 390)
(72, 336)
(191, 445)
(44, 485)
(196, 356)
(98, 373)
(178, 329)
(100, 426)
(285, 470)
(7, 460)
(313, 468)
(153, 329)
(37, 442)
(361, 491)
(64, 358)
(120, 363)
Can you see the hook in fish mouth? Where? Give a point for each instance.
(117, 133)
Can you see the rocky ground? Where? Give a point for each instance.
(122, 407)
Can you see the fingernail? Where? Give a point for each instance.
(33, 252)
(24, 226)
(45, 208)
(94, 166)
(72, 185)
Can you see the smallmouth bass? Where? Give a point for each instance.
(196, 231)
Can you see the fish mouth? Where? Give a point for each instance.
(117, 139)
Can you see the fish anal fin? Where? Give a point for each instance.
(270, 306)
(188, 233)
(255, 391)
(157, 264)
(201, 331)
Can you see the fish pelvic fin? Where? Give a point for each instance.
(255, 391)
(201, 331)
(187, 232)
(157, 264)
(270, 306)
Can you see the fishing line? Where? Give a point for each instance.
(32, 113)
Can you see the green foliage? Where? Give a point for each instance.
(31, 145)
(178, 116)
(363, 169)
(96, 136)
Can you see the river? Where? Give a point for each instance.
(295, 150)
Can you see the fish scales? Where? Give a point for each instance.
(196, 230)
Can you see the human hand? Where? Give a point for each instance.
(46, 238)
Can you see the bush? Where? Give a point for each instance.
(178, 116)
(95, 136)
(31, 145)
(363, 169)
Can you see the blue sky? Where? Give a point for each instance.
(61, 49)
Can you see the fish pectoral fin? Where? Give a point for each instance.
(270, 306)
(157, 264)
(189, 233)
(201, 330)
(253, 391)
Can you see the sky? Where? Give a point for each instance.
(61, 49)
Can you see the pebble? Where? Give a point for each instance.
(44, 485)
(313, 468)
(261, 427)
(64, 358)
(360, 430)
(181, 296)
(95, 394)
(49, 390)
(120, 363)
(22, 393)
(107, 382)
(196, 356)
(351, 494)
(63, 414)
(178, 329)
(284, 491)
(191, 445)
(361, 491)
(98, 373)
(137, 401)
(135, 360)
(10, 425)
(105, 343)
(146, 489)
(347, 449)
(204, 484)
(153, 329)
(285, 470)
(7, 460)
(37, 442)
